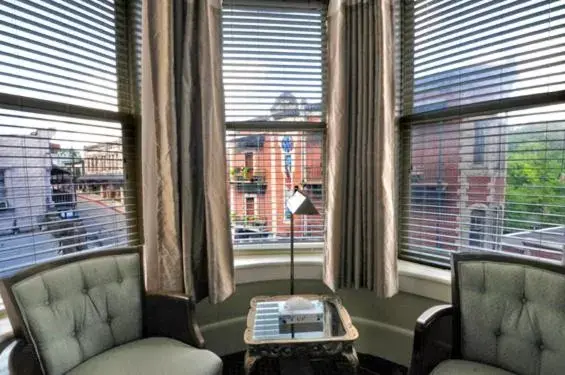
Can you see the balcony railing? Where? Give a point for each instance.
(249, 180)
(251, 220)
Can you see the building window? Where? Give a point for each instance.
(60, 63)
(2, 185)
(274, 82)
(483, 124)
(479, 143)
(477, 228)
(249, 159)
(250, 207)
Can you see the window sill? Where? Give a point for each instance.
(425, 281)
(414, 278)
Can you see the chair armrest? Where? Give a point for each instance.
(432, 339)
(21, 357)
(171, 315)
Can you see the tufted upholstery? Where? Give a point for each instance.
(155, 355)
(512, 317)
(459, 367)
(81, 309)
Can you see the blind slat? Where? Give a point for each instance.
(63, 181)
(262, 39)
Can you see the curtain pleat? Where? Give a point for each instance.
(361, 236)
(185, 212)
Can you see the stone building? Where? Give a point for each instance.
(25, 172)
(103, 170)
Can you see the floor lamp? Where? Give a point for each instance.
(298, 204)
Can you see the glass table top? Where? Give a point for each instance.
(269, 320)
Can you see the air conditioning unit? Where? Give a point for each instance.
(3, 205)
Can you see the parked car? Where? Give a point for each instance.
(244, 234)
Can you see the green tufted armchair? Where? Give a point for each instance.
(89, 314)
(507, 317)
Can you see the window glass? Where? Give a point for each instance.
(63, 147)
(273, 71)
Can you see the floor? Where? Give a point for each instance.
(369, 365)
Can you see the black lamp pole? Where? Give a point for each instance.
(297, 204)
(292, 249)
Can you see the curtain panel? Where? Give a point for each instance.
(361, 237)
(187, 234)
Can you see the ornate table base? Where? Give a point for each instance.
(312, 350)
(331, 337)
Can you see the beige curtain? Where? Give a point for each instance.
(187, 236)
(361, 234)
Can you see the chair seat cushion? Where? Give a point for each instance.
(156, 355)
(459, 367)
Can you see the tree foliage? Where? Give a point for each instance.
(535, 185)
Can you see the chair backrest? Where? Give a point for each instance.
(511, 312)
(76, 307)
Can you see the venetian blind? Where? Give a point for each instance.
(483, 129)
(273, 73)
(67, 174)
(273, 54)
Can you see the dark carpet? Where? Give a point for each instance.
(369, 365)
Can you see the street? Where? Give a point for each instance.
(98, 226)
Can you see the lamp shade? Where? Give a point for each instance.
(300, 204)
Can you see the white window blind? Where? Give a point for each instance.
(59, 51)
(66, 133)
(272, 60)
(464, 52)
(273, 75)
(483, 129)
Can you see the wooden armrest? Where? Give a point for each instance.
(21, 356)
(171, 315)
(426, 352)
(431, 315)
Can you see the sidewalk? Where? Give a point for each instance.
(108, 203)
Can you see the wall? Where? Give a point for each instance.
(385, 325)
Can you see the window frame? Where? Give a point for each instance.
(289, 126)
(405, 119)
(127, 114)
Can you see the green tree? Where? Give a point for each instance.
(535, 185)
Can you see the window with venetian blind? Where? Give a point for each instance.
(67, 175)
(273, 75)
(483, 128)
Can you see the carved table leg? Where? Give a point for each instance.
(350, 355)
(249, 362)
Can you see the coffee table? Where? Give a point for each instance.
(332, 336)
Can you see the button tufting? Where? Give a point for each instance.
(541, 347)
(47, 302)
(109, 320)
(524, 300)
(74, 333)
(497, 333)
(84, 291)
